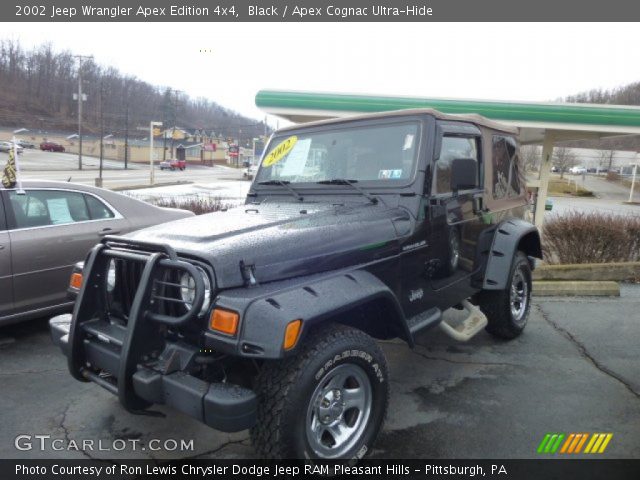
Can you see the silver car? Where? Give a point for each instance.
(51, 226)
(6, 146)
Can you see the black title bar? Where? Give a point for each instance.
(319, 11)
(583, 469)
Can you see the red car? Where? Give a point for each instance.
(51, 147)
(173, 164)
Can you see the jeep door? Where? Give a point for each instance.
(455, 212)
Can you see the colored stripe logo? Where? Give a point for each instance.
(574, 443)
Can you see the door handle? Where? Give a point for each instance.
(108, 231)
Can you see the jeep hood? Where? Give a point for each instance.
(280, 241)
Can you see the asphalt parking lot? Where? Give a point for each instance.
(575, 369)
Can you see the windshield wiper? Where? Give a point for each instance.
(285, 184)
(351, 183)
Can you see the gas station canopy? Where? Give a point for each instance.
(542, 123)
(569, 121)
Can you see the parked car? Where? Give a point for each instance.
(173, 164)
(577, 170)
(49, 228)
(263, 317)
(555, 169)
(25, 144)
(6, 146)
(51, 147)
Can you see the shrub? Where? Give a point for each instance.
(592, 237)
(613, 177)
(196, 204)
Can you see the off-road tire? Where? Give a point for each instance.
(496, 304)
(285, 389)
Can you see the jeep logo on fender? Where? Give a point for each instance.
(416, 295)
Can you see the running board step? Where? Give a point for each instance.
(471, 326)
(424, 321)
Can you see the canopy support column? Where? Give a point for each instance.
(545, 172)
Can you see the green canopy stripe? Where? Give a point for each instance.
(614, 115)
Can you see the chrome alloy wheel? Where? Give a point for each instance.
(519, 296)
(339, 410)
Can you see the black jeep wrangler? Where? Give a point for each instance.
(264, 316)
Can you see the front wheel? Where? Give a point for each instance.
(327, 402)
(508, 310)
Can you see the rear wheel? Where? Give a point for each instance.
(329, 401)
(508, 310)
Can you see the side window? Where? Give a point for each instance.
(3, 221)
(506, 171)
(38, 208)
(452, 147)
(97, 209)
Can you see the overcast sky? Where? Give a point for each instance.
(504, 61)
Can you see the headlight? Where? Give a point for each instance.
(111, 276)
(188, 289)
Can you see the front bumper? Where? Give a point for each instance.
(132, 359)
(223, 406)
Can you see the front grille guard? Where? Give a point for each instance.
(92, 303)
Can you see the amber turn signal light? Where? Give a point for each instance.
(76, 280)
(291, 334)
(224, 321)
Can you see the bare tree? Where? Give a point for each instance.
(530, 155)
(564, 159)
(606, 158)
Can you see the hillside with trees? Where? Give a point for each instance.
(37, 88)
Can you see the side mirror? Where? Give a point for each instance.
(464, 174)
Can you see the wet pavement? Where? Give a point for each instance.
(575, 369)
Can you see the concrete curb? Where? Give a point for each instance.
(557, 288)
(589, 271)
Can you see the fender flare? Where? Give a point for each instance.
(266, 311)
(510, 235)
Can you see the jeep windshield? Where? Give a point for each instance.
(377, 154)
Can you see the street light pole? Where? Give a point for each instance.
(80, 58)
(99, 180)
(633, 179)
(238, 157)
(80, 114)
(126, 138)
(151, 167)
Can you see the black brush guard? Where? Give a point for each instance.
(92, 341)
